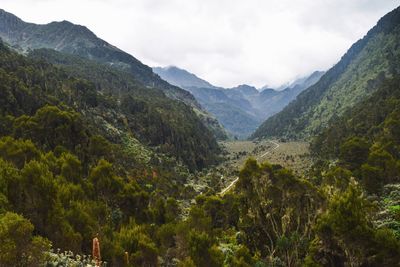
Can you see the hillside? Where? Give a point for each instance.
(94, 159)
(134, 111)
(356, 76)
(75, 160)
(375, 119)
(240, 109)
(79, 41)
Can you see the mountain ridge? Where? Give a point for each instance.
(78, 40)
(357, 74)
(240, 109)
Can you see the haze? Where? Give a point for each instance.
(227, 42)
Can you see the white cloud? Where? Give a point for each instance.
(227, 42)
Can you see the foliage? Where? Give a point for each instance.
(18, 246)
(110, 102)
(345, 234)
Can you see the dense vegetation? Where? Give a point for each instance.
(356, 76)
(80, 43)
(129, 113)
(366, 139)
(70, 164)
(78, 40)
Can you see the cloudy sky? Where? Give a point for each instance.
(227, 42)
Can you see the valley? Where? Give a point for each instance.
(240, 109)
(293, 155)
(157, 167)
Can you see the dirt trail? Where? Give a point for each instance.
(232, 184)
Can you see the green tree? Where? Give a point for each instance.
(345, 235)
(106, 183)
(18, 247)
(202, 250)
(354, 152)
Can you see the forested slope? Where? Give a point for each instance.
(356, 76)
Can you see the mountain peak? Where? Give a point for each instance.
(246, 89)
(181, 77)
(9, 22)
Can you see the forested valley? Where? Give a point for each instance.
(89, 150)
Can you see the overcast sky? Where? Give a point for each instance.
(227, 42)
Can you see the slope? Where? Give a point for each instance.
(80, 41)
(356, 76)
(145, 114)
(240, 109)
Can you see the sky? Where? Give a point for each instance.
(226, 42)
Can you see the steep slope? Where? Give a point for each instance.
(271, 101)
(375, 119)
(356, 76)
(240, 109)
(76, 160)
(79, 41)
(134, 113)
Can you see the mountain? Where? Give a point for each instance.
(73, 151)
(114, 104)
(271, 101)
(376, 119)
(180, 77)
(356, 76)
(240, 109)
(79, 41)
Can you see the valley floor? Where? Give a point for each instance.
(292, 155)
(221, 178)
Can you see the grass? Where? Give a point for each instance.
(293, 155)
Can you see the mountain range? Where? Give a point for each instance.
(240, 109)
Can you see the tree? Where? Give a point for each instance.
(106, 183)
(354, 152)
(277, 211)
(202, 250)
(345, 235)
(17, 245)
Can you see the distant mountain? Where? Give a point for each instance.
(235, 114)
(356, 76)
(240, 109)
(79, 41)
(181, 77)
(271, 101)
